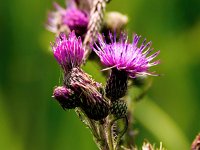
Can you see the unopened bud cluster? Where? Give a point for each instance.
(118, 108)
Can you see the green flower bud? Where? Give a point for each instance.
(118, 108)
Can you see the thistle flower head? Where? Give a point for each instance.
(76, 20)
(69, 19)
(125, 56)
(68, 51)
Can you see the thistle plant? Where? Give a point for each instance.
(81, 29)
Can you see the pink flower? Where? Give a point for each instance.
(125, 56)
(67, 20)
(68, 51)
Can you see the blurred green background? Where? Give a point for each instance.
(31, 120)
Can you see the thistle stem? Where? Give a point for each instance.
(122, 132)
(97, 129)
(102, 134)
(90, 123)
(109, 136)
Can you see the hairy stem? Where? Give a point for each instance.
(97, 129)
(88, 122)
(122, 132)
(102, 134)
(110, 135)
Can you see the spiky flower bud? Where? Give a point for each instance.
(92, 101)
(116, 86)
(118, 108)
(66, 97)
(95, 106)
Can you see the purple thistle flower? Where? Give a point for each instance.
(76, 20)
(69, 19)
(68, 51)
(125, 56)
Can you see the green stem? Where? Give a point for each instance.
(87, 121)
(109, 136)
(97, 129)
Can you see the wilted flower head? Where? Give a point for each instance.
(69, 19)
(125, 56)
(68, 51)
(92, 101)
(61, 91)
(66, 97)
